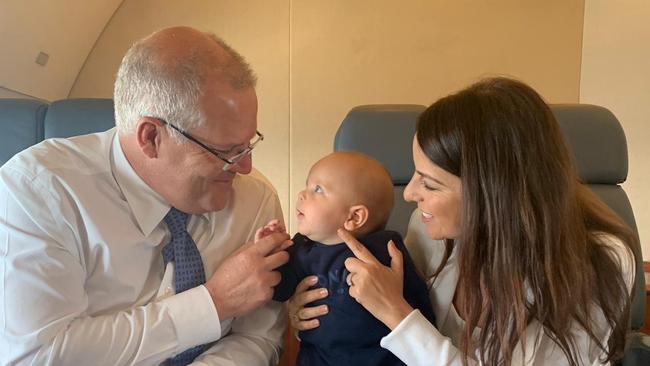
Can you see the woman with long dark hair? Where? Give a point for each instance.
(532, 267)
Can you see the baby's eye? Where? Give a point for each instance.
(318, 189)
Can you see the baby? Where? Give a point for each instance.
(352, 191)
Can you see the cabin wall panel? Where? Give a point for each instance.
(65, 30)
(317, 59)
(615, 54)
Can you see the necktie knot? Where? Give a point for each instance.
(176, 221)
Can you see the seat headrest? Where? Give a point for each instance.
(597, 141)
(72, 117)
(21, 122)
(383, 131)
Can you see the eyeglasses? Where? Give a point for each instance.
(229, 162)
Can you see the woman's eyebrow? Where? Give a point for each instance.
(425, 175)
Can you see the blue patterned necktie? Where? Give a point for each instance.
(188, 269)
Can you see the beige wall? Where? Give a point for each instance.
(346, 53)
(616, 74)
(318, 59)
(66, 30)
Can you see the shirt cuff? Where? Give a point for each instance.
(415, 340)
(396, 336)
(194, 317)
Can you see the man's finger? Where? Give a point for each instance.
(287, 243)
(396, 258)
(259, 234)
(275, 260)
(274, 279)
(270, 243)
(356, 247)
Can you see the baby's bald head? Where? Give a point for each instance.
(363, 181)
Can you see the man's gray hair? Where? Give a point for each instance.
(171, 91)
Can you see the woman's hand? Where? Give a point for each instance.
(301, 317)
(376, 287)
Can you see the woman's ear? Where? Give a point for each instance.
(147, 136)
(357, 217)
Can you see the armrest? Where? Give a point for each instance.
(638, 353)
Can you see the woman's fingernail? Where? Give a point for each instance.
(323, 292)
(313, 280)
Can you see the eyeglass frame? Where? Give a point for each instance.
(228, 162)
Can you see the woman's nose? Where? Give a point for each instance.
(409, 192)
(301, 195)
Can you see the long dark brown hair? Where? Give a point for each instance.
(529, 247)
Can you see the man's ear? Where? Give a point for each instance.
(148, 136)
(357, 217)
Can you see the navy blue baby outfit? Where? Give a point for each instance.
(348, 334)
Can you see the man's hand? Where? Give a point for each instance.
(245, 280)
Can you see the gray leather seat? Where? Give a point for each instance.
(26, 122)
(73, 117)
(21, 125)
(593, 134)
(599, 148)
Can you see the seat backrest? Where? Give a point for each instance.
(26, 122)
(72, 117)
(599, 148)
(21, 125)
(593, 134)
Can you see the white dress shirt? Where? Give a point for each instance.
(417, 342)
(81, 273)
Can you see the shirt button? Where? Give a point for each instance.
(168, 290)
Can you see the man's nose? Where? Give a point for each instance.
(243, 166)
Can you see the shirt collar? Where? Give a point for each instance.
(147, 206)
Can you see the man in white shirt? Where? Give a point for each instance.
(82, 278)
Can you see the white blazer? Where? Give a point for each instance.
(417, 342)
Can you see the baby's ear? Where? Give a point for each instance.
(357, 217)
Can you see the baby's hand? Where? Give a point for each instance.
(273, 226)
